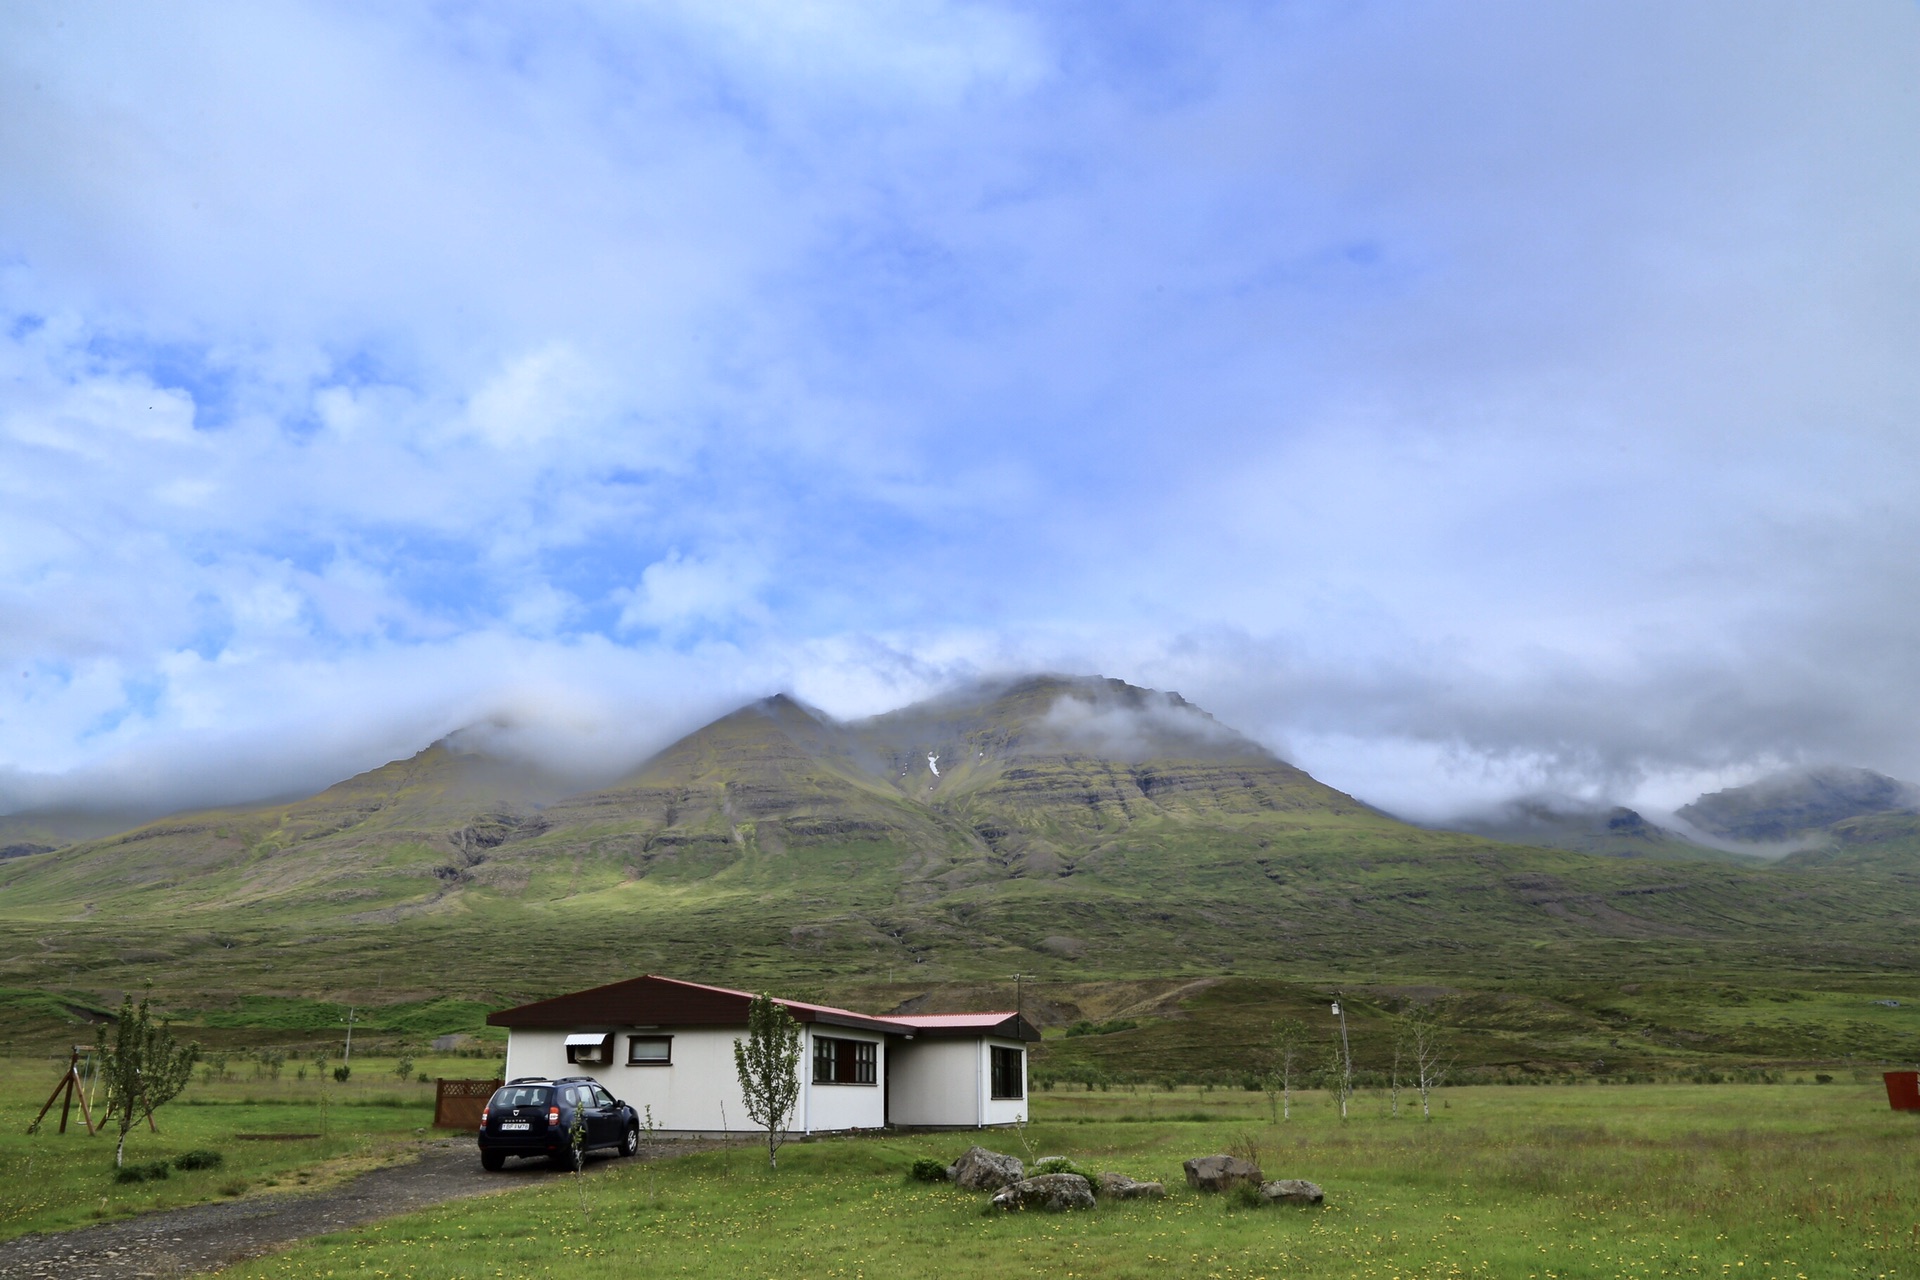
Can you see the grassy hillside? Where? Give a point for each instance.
(1078, 831)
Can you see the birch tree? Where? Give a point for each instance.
(1286, 1056)
(1426, 1049)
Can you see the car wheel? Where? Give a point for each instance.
(570, 1158)
(630, 1144)
(493, 1161)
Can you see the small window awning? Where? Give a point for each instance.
(590, 1040)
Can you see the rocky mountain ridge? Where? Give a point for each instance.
(1077, 826)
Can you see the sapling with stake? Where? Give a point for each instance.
(577, 1153)
(1287, 1054)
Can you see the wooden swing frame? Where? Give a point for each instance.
(71, 1086)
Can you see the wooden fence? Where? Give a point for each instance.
(457, 1103)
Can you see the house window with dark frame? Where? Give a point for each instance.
(1009, 1073)
(649, 1051)
(838, 1061)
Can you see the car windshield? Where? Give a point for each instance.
(522, 1095)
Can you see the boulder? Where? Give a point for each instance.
(1118, 1186)
(983, 1170)
(1291, 1191)
(1221, 1173)
(1050, 1191)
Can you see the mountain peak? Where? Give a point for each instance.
(1096, 716)
(1797, 803)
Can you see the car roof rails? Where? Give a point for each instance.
(529, 1080)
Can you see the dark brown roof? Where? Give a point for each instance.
(654, 1001)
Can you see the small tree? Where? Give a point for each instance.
(768, 1061)
(577, 1155)
(1287, 1054)
(1402, 1054)
(144, 1069)
(1339, 1083)
(1425, 1049)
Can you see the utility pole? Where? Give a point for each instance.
(348, 1056)
(1346, 1056)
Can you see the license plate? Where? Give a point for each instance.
(521, 1125)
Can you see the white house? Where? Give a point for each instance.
(666, 1044)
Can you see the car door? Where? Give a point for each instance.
(607, 1116)
(578, 1116)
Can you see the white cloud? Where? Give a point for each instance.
(1466, 407)
(546, 392)
(678, 593)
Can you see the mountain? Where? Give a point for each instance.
(368, 838)
(1064, 826)
(43, 830)
(1562, 822)
(1799, 804)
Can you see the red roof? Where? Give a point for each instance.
(651, 1000)
(935, 1021)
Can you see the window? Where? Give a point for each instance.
(520, 1096)
(1009, 1073)
(649, 1051)
(838, 1061)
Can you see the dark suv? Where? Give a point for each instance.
(534, 1116)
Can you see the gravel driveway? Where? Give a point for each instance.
(207, 1237)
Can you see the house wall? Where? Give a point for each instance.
(937, 1082)
(841, 1106)
(1001, 1110)
(689, 1096)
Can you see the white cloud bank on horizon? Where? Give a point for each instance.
(1471, 401)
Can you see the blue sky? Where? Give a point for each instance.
(1462, 399)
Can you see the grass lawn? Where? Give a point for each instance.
(51, 1180)
(1796, 1181)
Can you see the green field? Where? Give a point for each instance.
(51, 1181)
(1587, 1181)
(1562, 1180)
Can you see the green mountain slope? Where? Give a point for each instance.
(1073, 828)
(380, 837)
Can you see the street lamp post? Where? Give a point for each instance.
(1346, 1057)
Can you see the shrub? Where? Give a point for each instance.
(927, 1169)
(341, 1072)
(1822, 1078)
(1086, 1028)
(198, 1159)
(153, 1171)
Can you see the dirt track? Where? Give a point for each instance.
(207, 1237)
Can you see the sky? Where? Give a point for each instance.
(1463, 399)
